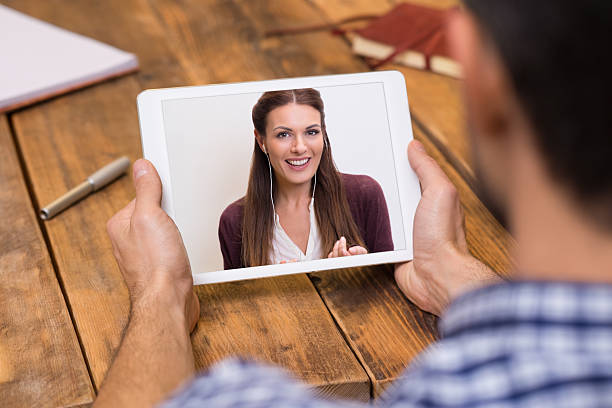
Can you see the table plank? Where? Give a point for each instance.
(336, 10)
(86, 129)
(39, 350)
(384, 329)
(278, 320)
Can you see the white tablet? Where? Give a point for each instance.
(335, 165)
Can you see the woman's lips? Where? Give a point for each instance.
(298, 164)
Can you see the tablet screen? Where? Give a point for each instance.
(211, 144)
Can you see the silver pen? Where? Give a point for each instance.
(93, 183)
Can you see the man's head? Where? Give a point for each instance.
(540, 70)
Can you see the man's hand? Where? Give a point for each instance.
(442, 267)
(149, 249)
(155, 356)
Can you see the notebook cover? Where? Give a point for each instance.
(40, 60)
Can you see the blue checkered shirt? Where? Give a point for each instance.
(514, 344)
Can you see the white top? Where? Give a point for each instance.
(284, 249)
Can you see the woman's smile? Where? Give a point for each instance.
(298, 164)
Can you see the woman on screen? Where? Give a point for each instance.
(298, 206)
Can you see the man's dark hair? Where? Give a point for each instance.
(558, 55)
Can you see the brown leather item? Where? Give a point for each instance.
(410, 27)
(407, 27)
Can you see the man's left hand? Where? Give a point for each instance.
(149, 249)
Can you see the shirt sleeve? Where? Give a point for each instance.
(230, 240)
(378, 227)
(234, 383)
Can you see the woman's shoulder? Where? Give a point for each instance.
(360, 185)
(232, 215)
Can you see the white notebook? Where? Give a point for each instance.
(39, 60)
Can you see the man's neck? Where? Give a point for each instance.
(556, 238)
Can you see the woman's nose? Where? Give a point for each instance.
(298, 145)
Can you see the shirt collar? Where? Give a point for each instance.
(541, 303)
(283, 248)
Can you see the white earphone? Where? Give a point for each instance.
(263, 147)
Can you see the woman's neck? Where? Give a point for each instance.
(293, 195)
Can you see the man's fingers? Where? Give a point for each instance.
(120, 219)
(126, 212)
(426, 168)
(148, 185)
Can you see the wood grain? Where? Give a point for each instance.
(246, 318)
(339, 9)
(39, 350)
(67, 138)
(384, 329)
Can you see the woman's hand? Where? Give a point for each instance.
(341, 250)
(442, 267)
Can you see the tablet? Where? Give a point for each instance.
(337, 141)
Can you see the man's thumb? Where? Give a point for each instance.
(426, 168)
(147, 183)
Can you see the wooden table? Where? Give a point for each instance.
(63, 303)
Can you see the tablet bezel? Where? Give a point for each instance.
(154, 146)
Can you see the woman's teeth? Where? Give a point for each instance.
(298, 162)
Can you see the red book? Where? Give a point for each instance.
(411, 35)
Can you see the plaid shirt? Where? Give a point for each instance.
(522, 344)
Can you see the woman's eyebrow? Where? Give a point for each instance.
(288, 128)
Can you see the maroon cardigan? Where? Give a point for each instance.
(368, 208)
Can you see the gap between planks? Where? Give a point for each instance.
(49, 248)
(344, 335)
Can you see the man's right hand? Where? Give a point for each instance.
(442, 267)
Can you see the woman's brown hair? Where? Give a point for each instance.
(331, 206)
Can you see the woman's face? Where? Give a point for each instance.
(294, 142)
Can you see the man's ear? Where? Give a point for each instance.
(488, 93)
(260, 142)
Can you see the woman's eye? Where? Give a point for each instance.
(282, 134)
(313, 132)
